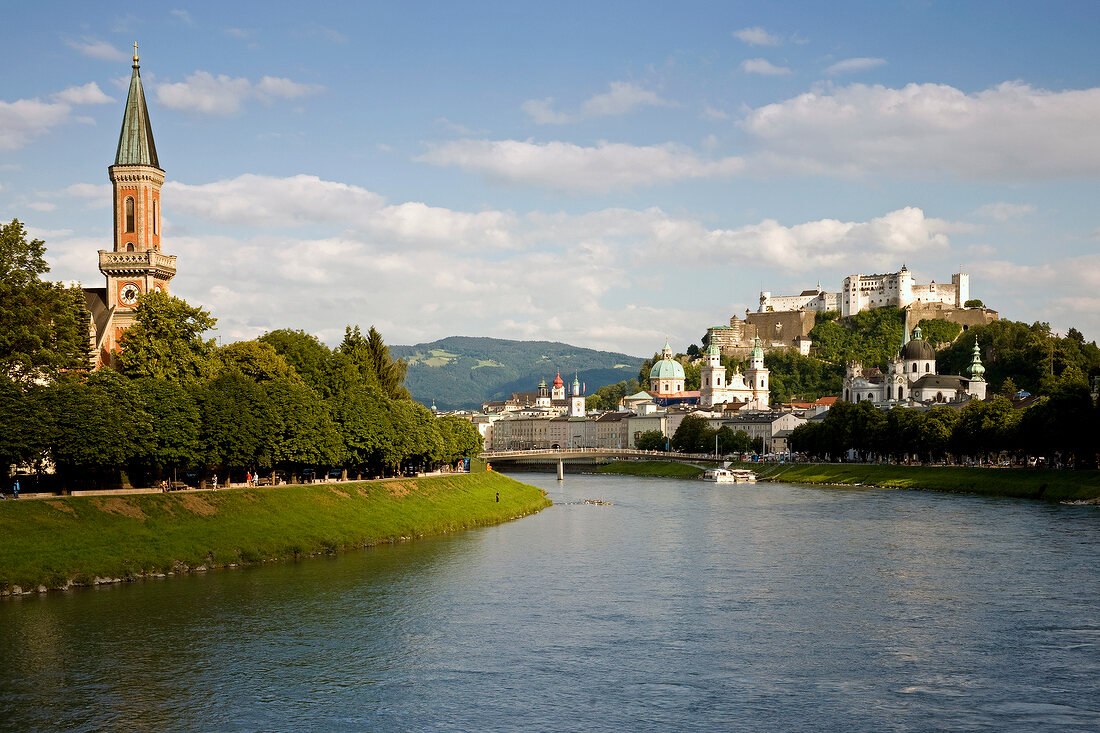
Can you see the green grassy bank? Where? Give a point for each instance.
(1031, 483)
(651, 468)
(77, 540)
(1047, 484)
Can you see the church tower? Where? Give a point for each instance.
(134, 265)
(757, 376)
(576, 400)
(712, 378)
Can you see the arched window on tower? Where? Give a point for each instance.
(129, 214)
(914, 368)
(927, 368)
(129, 246)
(156, 222)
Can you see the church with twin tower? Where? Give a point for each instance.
(134, 265)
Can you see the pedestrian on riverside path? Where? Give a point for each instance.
(214, 481)
(248, 479)
(15, 489)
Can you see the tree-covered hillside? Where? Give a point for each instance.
(463, 372)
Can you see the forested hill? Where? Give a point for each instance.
(463, 372)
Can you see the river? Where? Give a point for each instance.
(681, 606)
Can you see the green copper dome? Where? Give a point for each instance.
(757, 351)
(713, 350)
(666, 369)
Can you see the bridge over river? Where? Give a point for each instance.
(559, 456)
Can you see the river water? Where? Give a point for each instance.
(682, 606)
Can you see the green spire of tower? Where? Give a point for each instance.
(135, 142)
(976, 371)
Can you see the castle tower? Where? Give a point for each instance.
(135, 264)
(757, 376)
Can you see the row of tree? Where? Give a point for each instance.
(179, 405)
(695, 435)
(1064, 427)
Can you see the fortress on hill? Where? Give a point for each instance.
(785, 321)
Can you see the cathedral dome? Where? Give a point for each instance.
(666, 369)
(918, 350)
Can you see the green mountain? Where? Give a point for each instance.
(461, 372)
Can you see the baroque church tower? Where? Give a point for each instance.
(135, 264)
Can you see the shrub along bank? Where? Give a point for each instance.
(1048, 484)
(54, 543)
(1031, 483)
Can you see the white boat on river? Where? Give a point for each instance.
(729, 476)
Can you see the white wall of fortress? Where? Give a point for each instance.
(863, 292)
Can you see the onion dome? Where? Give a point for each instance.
(757, 351)
(976, 371)
(713, 350)
(558, 382)
(542, 384)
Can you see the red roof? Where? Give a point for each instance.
(827, 401)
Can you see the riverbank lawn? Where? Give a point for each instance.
(651, 468)
(1025, 483)
(52, 542)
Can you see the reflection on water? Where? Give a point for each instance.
(685, 606)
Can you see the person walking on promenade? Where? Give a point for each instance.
(248, 479)
(214, 482)
(15, 489)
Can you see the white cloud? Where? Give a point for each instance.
(757, 36)
(542, 112)
(96, 49)
(41, 206)
(1009, 132)
(712, 113)
(261, 201)
(763, 67)
(621, 98)
(566, 166)
(204, 93)
(849, 66)
(24, 119)
(1003, 211)
(90, 93)
(183, 16)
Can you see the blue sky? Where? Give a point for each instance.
(600, 174)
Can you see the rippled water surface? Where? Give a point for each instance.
(684, 606)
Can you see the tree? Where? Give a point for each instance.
(985, 427)
(461, 438)
(45, 325)
(973, 303)
(305, 433)
(100, 425)
(239, 422)
(939, 331)
(651, 440)
(371, 363)
(693, 435)
(257, 360)
(175, 425)
(362, 416)
(310, 358)
(166, 341)
(937, 427)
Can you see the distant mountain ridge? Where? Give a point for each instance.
(462, 372)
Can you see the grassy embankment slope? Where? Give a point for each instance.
(1045, 484)
(1049, 484)
(651, 468)
(52, 542)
